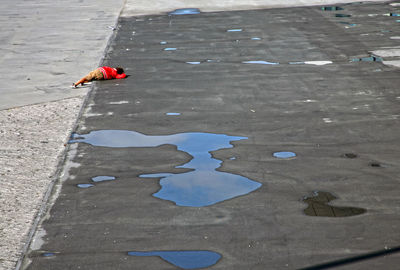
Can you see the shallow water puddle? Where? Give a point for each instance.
(102, 178)
(348, 24)
(331, 8)
(315, 63)
(234, 30)
(48, 254)
(185, 11)
(284, 155)
(172, 113)
(170, 49)
(84, 185)
(367, 59)
(202, 186)
(342, 15)
(318, 206)
(190, 259)
(260, 62)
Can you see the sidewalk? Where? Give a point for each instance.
(45, 46)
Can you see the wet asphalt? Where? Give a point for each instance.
(333, 196)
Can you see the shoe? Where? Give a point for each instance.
(74, 86)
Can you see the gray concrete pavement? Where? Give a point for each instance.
(339, 116)
(46, 45)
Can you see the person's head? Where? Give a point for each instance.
(120, 70)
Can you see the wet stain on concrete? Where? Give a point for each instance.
(185, 11)
(350, 155)
(377, 165)
(284, 155)
(318, 206)
(190, 259)
(203, 185)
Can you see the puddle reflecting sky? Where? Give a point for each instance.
(102, 178)
(367, 59)
(85, 185)
(190, 259)
(185, 11)
(202, 186)
(318, 206)
(258, 62)
(284, 155)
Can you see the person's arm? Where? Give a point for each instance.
(81, 81)
(121, 76)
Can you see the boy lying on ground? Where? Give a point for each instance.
(102, 73)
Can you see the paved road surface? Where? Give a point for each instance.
(314, 90)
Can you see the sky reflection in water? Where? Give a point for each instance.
(201, 187)
(191, 259)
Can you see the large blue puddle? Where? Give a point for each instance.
(191, 259)
(202, 186)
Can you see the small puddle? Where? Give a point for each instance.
(331, 8)
(255, 38)
(260, 62)
(315, 63)
(318, 63)
(348, 24)
(202, 186)
(235, 30)
(48, 254)
(169, 49)
(342, 15)
(193, 63)
(190, 259)
(102, 178)
(367, 59)
(163, 42)
(318, 206)
(394, 14)
(172, 113)
(185, 11)
(84, 185)
(284, 155)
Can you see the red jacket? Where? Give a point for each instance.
(111, 73)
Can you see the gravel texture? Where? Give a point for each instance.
(32, 140)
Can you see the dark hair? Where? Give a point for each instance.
(119, 70)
